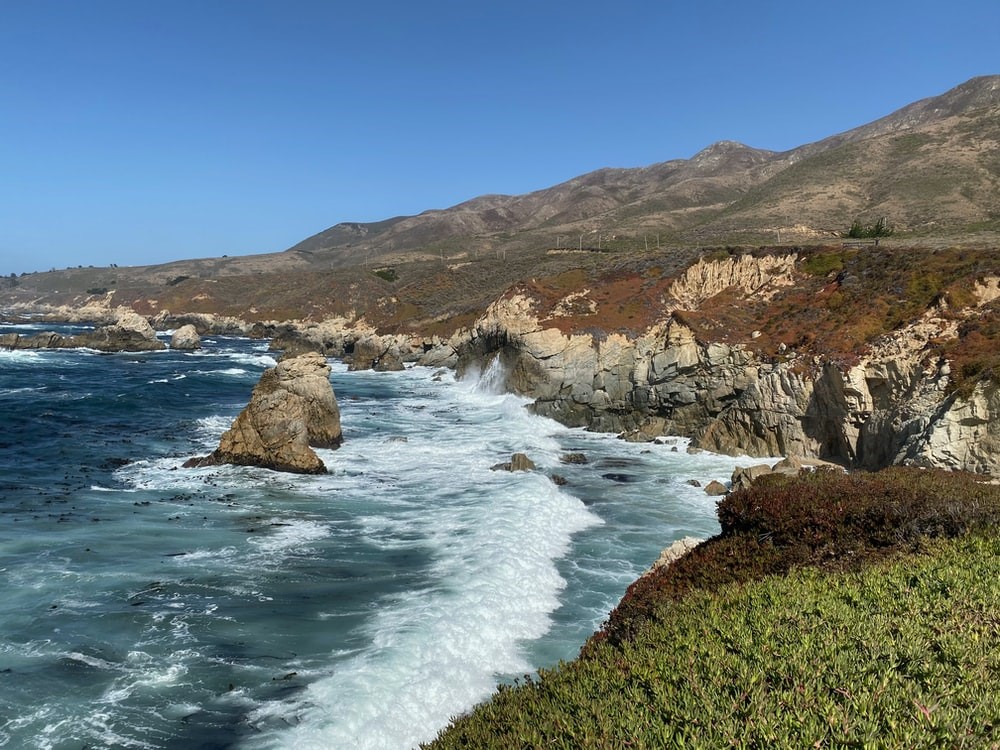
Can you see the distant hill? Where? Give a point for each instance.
(931, 168)
(932, 165)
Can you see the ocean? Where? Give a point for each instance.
(145, 605)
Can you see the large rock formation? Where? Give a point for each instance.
(363, 348)
(892, 406)
(292, 410)
(129, 333)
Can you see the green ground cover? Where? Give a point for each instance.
(876, 638)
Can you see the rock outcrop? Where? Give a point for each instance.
(358, 344)
(375, 353)
(293, 409)
(186, 337)
(673, 553)
(963, 432)
(890, 407)
(129, 333)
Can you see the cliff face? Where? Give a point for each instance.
(866, 357)
(893, 405)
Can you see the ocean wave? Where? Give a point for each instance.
(496, 590)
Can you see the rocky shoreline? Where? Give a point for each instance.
(891, 406)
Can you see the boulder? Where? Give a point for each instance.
(790, 465)
(518, 462)
(372, 352)
(715, 488)
(186, 337)
(743, 477)
(292, 410)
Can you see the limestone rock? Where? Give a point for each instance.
(963, 434)
(186, 337)
(292, 410)
(673, 553)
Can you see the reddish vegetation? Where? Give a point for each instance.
(827, 519)
(841, 302)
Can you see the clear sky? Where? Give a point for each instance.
(142, 131)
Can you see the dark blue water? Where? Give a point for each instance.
(147, 605)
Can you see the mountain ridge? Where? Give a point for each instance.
(663, 194)
(932, 168)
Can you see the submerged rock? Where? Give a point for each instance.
(518, 462)
(292, 410)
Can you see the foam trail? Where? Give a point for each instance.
(435, 652)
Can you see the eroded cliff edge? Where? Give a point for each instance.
(893, 400)
(864, 356)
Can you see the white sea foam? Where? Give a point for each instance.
(13, 391)
(291, 536)
(19, 356)
(494, 538)
(234, 371)
(435, 652)
(254, 360)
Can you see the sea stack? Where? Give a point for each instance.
(292, 410)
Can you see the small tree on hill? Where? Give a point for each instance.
(880, 228)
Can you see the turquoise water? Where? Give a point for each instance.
(150, 606)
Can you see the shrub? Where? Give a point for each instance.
(825, 518)
(387, 274)
(880, 228)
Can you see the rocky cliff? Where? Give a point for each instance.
(867, 357)
(894, 404)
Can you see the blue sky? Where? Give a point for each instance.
(141, 132)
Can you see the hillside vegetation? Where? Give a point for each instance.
(832, 611)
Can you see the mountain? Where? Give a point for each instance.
(932, 165)
(931, 168)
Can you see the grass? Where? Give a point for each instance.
(832, 611)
